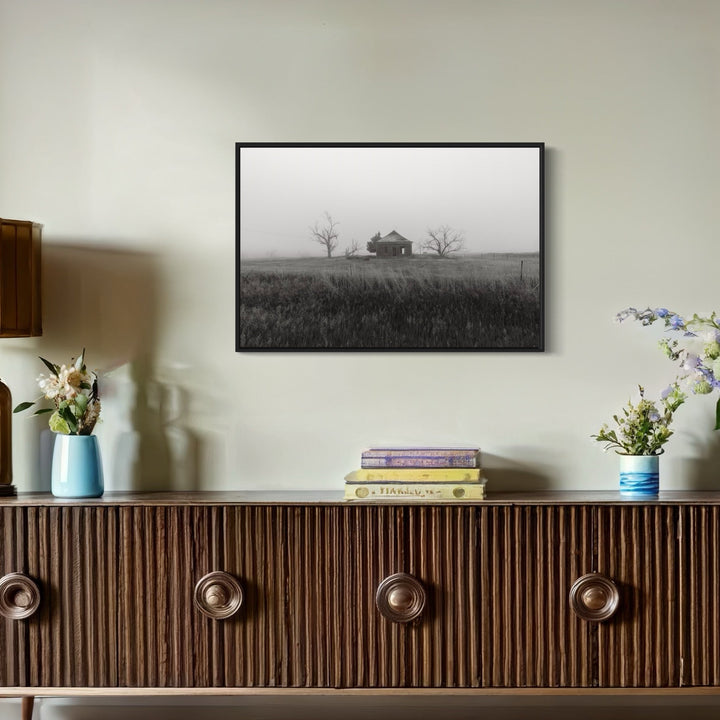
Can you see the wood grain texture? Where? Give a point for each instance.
(253, 647)
(20, 282)
(155, 639)
(310, 575)
(529, 558)
(699, 595)
(335, 498)
(639, 548)
(117, 586)
(443, 648)
(28, 704)
(70, 640)
(374, 547)
(413, 694)
(14, 649)
(312, 638)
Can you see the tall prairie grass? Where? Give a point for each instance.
(421, 304)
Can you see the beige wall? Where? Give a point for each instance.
(118, 124)
(117, 129)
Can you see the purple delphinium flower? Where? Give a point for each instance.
(677, 322)
(662, 312)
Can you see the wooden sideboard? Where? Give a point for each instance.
(231, 593)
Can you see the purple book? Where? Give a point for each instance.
(427, 457)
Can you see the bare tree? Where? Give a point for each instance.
(444, 240)
(353, 249)
(325, 233)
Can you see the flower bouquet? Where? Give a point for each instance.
(76, 465)
(643, 428)
(74, 393)
(694, 346)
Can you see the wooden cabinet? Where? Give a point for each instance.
(639, 547)
(437, 546)
(530, 555)
(236, 591)
(309, 576)
(156, 619)
(70, 554)
(698, 594)
(14, 667)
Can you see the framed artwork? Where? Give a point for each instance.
(379, 246)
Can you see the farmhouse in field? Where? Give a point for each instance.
(392, 245)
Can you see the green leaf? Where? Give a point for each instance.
(42, 411)
(58, 425)
(717, 415)
(80, 362)
(67, 415)
(23, 406)
(54, 369)
(81, 402)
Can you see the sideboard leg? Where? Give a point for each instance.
(28, 703)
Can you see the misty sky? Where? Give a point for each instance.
(490, 194)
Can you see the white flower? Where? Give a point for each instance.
(73, 392)
(707, 333)
(691, 362)
(50, 386)
(67, 384)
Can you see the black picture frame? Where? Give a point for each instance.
(433, 247)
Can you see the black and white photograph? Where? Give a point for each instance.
(389, 246)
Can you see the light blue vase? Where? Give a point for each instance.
(77, 467)
(639, 475)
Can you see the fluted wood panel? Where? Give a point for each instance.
(374, 548)
(315, 617)
(529, 558)
(699, 595)
(639, 548)
(71, 554)
(443, 648)
(81, 544)
(14, 650)
(117, 587)
(253, 648)
(156, 644)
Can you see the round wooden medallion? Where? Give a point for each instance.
(19, 596)
(401, 598)
(594, 597)
(218, 595)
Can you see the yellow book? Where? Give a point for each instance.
(415, 475)
(414, 491)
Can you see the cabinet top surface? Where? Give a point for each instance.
(336, 499)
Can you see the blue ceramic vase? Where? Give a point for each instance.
(77, 467)
(639, 475)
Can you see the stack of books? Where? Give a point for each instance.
(452, 474)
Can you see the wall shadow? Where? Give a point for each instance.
(703, 469)
(105, 299)
(551, 159)
(505, 475)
